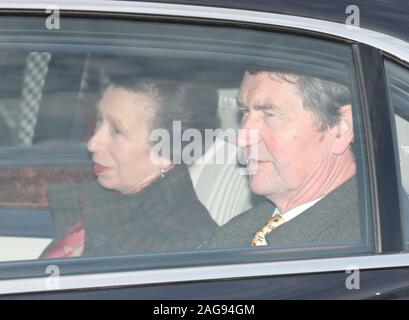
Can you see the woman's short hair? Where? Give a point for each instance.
(192, 105)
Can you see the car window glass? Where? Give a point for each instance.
(125, 138)
(398, 81)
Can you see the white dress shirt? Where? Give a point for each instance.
(291, 214)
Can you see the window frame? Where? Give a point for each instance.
(387, 58)
(365, 56)
(379, 123)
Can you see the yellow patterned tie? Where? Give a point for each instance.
(260, 237)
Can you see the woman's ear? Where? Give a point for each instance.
(343, 132)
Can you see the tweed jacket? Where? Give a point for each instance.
(165, 216)
(335, 218)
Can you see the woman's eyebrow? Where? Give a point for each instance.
(116, 122)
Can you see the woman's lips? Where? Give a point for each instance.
(98, 169)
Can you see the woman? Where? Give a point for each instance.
(139, 202)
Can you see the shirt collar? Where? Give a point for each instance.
(291, 214)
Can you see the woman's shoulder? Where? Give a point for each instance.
(64, 201)
(69, 189)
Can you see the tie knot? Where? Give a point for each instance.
(259, 238)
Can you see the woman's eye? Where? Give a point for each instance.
(116, 130)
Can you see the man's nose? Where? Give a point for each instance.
(249, 133)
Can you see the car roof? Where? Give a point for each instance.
(386, 16)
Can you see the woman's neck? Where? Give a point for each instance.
(152, 179)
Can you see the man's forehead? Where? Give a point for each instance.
(268, 78)
(259, 87)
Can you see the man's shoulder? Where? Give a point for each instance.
(333, 218)
(250, 217)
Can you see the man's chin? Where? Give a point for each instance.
(256, 186)
(263, 187)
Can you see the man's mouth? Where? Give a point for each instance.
(252, 160)
(252, 165)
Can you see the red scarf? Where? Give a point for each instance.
(72, 245)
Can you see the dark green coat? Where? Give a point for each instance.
(166, 216)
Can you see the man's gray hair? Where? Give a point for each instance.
(323, 97)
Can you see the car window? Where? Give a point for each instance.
(398, 82)
(161, 140)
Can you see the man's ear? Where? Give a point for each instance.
(343, 132)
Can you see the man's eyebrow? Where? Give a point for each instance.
(265, 106)
(240, 104)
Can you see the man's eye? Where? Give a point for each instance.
(268, 114)
(244, 111)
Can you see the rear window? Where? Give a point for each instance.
(173, 145)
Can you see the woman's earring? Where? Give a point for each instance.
(162, 173)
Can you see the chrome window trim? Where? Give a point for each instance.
(386, 43)
(174, 275)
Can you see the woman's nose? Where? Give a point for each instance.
(94, 143)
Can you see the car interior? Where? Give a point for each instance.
(47, 113)
(65, 120)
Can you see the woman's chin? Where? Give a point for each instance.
(105, 183)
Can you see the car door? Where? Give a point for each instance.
(210, 45)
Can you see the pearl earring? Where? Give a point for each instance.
(162, 173)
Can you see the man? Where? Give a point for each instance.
(301, 162)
